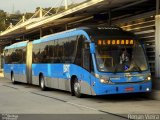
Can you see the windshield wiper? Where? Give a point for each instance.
(116, 68)
(139, 69)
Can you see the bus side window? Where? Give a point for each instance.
(78, 60)
(86, 59)
(83, 56)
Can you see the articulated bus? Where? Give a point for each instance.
(87, 60)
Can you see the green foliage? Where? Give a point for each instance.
(28, 15)
(14, 18)
(6, 19)
(2, 20)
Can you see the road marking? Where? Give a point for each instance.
(113, 114)
(82, 106)
(48, 96)
(9, 86)
(64, 101)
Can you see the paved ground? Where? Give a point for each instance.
(1, 74)
(28, 99)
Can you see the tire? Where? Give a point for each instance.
(42, 83)
(12, 78)
(77, 88)
(72, 88)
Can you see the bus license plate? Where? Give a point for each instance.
(129, 89)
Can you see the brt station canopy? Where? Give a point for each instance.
(93, 12)
(137, 16)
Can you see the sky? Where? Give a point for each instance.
(24, 6)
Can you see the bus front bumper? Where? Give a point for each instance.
(105, 89)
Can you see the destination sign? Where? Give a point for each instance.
(115, 42)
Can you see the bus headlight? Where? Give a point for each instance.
(149, 78)
(103, 80)
(97, 75)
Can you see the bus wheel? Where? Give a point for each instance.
(12, 78)
(77, 88)
(42, 83)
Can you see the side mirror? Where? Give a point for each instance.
(92, 48)
(87, 41)
(143, 44)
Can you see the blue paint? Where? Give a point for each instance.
(92, 48)
(111, 89)
(17, 68)
(126, 67)
(17, 45)
(66, 71)
(83, 75)
(56, 36)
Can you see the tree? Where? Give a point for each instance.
(14, 18)
(2, 20)
(28, 15)
(18, 12)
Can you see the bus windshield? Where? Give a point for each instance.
(123, 55)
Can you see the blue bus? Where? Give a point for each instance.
(87, 60)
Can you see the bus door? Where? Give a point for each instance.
(29, 63)
(87, 65)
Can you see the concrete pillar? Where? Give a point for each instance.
(157, 51)
(23, 37)
(0, 61)
(40, 12)
(66, 4)
(41, 32)
(66, 27)
(23, 18)
(109, 17)
(11, 25)
(157, 6)
(157, 42)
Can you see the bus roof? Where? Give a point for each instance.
(15, 45)
(77, 31)
(68, 33)
(110, 31)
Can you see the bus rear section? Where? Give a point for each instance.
(15, 62)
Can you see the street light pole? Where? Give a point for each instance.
(66, 4)
(157, 6)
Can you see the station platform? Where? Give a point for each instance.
(155, 95)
